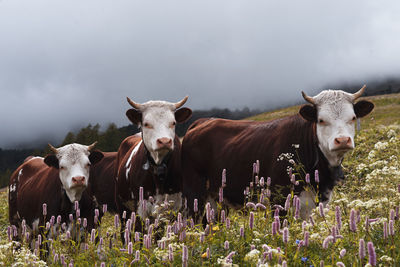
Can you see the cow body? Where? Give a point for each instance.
(216, 144)
(151, 159)
(58, 181)
(103, 187)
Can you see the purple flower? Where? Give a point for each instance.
(226, 245)
(307, 178)
(137, 236)
(96, 212)
(312, 220)
(287, 203)
(92, 235)
(328, 239)
(391, 216)
(76, 205)
(297, 209)
(260, 206)
(316, 176)
(58, 219)
(84, 223)
(285, 236)
(222, 216)
(321, 210)
(116, 220)
(39, 239)
(241, 231)
(274, 228)
(340, 264)
(44, 209)
(371, 254)
(78, 213)
(276, 213)
(385, 230)
(250, 205)
(257, 166)
(221, 194)
(229, 257)
(141, 194)
(124, 214)
(254, 168)
(195, 205)
(262, 182)
(352, 223)
(130, 248)
(284, 264)
(68, 235)
(208, 253)
(223, 183)
(207, 230)
(126, 236)
(185, 255)
(306, 238)
(251, 220)
(228, 223)
(293, 179)
(338, 217)
(55, 259)
(170, 253)
(137, 255)
(342, 253)
(104, 208)
(361, 249)
(391, 227)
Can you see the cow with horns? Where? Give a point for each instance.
(319, 135)
(150, 162)
(44, 187)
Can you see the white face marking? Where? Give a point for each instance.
(134, 151)
(335, 124)
(158, 123)
(73, 162)
(13, 187)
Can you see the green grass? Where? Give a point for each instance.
(370, 189)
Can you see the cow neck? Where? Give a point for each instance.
(159, 171)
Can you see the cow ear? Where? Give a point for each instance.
(134, 115)
(182, 115)
(95, 156)
(363, 108)
(51, 161)
(309, 113)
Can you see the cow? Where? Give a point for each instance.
(58, 181)
(103, 187)
(151, 159)
(323, 131)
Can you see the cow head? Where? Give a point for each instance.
(335, 113)
(73, 162)
(157, 120)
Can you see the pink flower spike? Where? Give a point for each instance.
(44, 209)
(361, 249)
(316, 176)
(371, 254)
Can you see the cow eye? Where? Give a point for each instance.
(173, 124)
(62, 167)
(147, 125)
(321, 121)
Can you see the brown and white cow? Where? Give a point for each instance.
(151, 159)
(58, 180)
(324, 131)
(103, 187)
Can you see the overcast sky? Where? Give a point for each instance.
(64, 64)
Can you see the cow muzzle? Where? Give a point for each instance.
(342, 143)
(164, 143)
(78, 181)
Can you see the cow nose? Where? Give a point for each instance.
(343, 142)
(78, 180)
(164, 142)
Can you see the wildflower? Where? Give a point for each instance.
(361, 249)
(321, 210)
(342, 253)
(304, 259)
(58, 219)
(92, 235)
(371, 254)
(185, 255)
(262, 182)
(391, 227)
(268, 193)
(254, 168)
(297, 209)
(285, 236)
(44, 209)
(391, 216)
(212, 213)
(241, 231)
(104, 208)
(276, 213)
(257, 166)
(229, 257)
(228, 223)
(39, 239)
(312, 220)
(126, 236)
(68, 235)
(352, 224)
(221, 194)
(55, 259)
(222, 216)
(284, 264)
(293, 179)
(260, 206)
(208, 253)
(274, 228)
(340, 264)
(338, 217)
(223, 183)
(95, 219)
(116, 220)
(306, 238)
(328, 239)
(316, 176)
(250, 205)
(195, 205)
(226, 245)
(182, 235)
(201, 238)
(307, 178)
(71, 217)
(78, 213)
(84, 223)
(141, 194)
(170, 253)
(208, 212)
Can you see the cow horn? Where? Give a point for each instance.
(52, 148)
(92, 146)
(134, 104)
(181, 103)
(308, 98)
(359, 93)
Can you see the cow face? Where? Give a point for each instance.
(335, 114)
(157, 120)
(73, 162)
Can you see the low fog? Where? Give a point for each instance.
(65, 64)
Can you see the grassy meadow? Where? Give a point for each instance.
(359, 227)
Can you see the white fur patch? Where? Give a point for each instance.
(19, 174)
(128, 163)
(13, 187)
